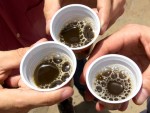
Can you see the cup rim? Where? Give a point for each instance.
(111, 56)
(76, 5)
(35, 47)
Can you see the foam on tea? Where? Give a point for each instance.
(77, 33)
(113, 83)
(52, 71)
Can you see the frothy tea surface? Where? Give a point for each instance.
(76, 34)
(113, 82)
(52, 71)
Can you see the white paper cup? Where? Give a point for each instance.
(69, 14)
(111, 59)
(38, 53)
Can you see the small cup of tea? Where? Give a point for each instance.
(76, 26)
(113, 79)
(48, 66)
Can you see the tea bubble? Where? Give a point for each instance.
(113, 83)
(77, 33)
(52, 71)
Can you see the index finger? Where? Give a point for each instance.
(50, 7)
(104, 11)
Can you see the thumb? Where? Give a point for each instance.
(11, 59)
(48, 98)
(26, 98)
(141, 97)
(145, 90)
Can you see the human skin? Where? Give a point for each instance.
(19, 98)
(132, 41)
(107, 10)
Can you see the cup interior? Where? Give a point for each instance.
(98, 64)
(36, 54)
(71, 13)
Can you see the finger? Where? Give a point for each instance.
(1, 87)
(117, 10)
(144, 93)
(50, 7)
(27, 98)
(21, 84)
(88, 96)
(99, 107)
(104, 12)
(141, 97)
(3, 74)
(117, 5)
(34, 98)
(82, 79)
(39, 41)
(11, 59)
(124, 106)
(12, 81)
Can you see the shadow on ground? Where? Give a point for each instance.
(87, 107)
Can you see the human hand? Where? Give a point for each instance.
(18, 98)
(107, 10)
(132, 41)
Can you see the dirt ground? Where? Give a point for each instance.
(136, 11)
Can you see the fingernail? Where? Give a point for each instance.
(102, 23)
(41, 40)
(68, 92)
(103, 29)
(48, 27)
(82, 80)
